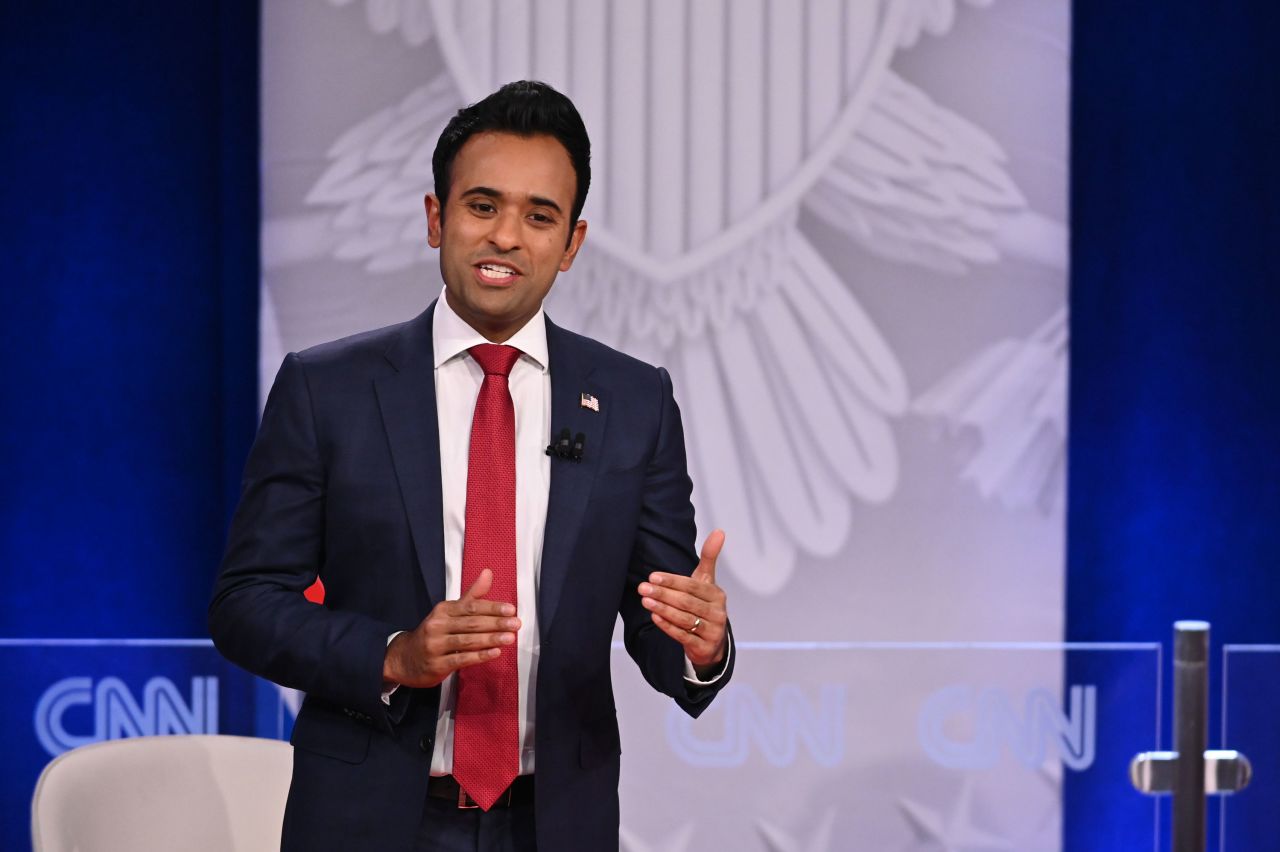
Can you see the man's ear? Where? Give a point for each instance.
(435, 218)
(576, 237)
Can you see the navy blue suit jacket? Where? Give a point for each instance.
(343, 482)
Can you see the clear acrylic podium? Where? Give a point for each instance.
(888, 746)
(1250, 819)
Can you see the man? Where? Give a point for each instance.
(473, 574)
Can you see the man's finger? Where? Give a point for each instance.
(706, 570)
(469, 609)
(679, 617)
(480, 587)
(472, 603)
(491, 622)
(696, 586)
(697, 648)
(478, 641)
(676, 632)
(470, 658)
(686, 600)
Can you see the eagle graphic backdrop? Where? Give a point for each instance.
(841, 225)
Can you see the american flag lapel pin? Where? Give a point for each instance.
(589, 401)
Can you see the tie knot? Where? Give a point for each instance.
(494, 358)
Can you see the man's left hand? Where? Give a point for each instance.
(691, 610)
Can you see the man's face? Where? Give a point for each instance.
(505, 230)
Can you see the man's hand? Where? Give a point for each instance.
(454, 635)
(691, 610)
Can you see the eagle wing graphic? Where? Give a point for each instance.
(789, 387)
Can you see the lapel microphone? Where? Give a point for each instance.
(564, 447)
(560, 447)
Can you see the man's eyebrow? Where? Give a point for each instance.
(539, 201)
(490, 192)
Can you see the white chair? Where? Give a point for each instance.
(168, 793)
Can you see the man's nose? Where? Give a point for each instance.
(505, 233)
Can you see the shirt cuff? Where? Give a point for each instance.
(691, 675)
(391, 690)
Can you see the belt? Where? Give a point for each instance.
(446, 787)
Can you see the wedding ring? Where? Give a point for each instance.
(696, 624)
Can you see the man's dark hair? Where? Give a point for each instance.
(525, 108)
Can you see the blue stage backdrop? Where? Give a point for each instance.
(129, 234)
(1174, 511)
(128, 227)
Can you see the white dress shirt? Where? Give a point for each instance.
(457, 379)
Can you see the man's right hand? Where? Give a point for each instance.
(454, 635)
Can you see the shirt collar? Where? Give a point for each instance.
(451, 336)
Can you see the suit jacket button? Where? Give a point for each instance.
(425, 743)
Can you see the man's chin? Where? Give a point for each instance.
(499, 320)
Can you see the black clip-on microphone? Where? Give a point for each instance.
(565, 448)
(560, 447)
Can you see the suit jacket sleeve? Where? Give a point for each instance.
(258, 617)
(665, 540)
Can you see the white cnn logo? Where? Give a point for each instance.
(994, 723)
(117, 714)
(776, 731)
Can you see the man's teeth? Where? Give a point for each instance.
(496, 271)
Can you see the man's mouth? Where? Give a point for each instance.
(496, 272)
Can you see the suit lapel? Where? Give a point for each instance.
(407, 399)
(570, 481)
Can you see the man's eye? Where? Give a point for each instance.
(541, 218)
(482, 207)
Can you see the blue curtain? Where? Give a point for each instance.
(129, 308)
(1174, 474)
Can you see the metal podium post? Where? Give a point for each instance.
(1190, 772)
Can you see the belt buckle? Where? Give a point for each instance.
(467, 803)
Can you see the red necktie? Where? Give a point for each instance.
(486, 734)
